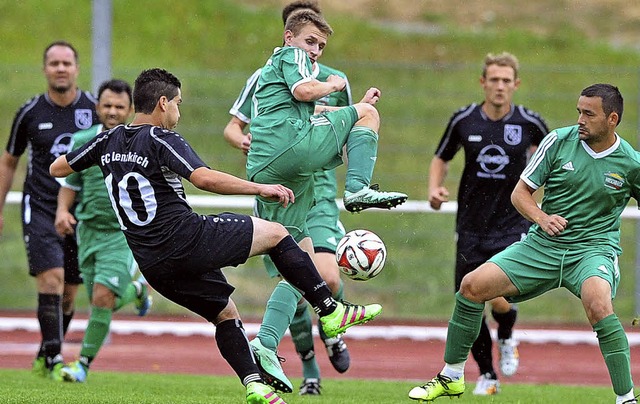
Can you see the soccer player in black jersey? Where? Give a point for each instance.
(44, 125)
(180, 252)
(497, 137)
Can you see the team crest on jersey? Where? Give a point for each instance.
(512, 134)
(84, 118)
(613, 180)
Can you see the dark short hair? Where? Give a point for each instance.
(152, 84)
(299, 5)
(59, 43)
(117, 86)
(611, 98)
(301, 18)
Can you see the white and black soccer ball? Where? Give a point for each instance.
(361, 255)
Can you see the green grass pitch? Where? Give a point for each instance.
(20, 386)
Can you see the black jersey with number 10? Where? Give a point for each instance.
(143, 168)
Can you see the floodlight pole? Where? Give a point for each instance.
(636, 290)
(101, 22)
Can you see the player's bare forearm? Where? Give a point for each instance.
(314, 90)
(8, 166)
(234, 133)
(60, 168)
(227, 184)
(438, 194)
(523, 200)
(66, 198)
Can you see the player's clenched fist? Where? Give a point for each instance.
(553, 224)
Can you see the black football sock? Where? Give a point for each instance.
(66, 320)
(234, 348)
(297, 268)
(50, 319)
(506, 321)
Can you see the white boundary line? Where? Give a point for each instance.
(247, 202)
(389, 332)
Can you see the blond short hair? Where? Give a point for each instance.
(501, 59)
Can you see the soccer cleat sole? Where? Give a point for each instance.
(356, 207)
(276, 383)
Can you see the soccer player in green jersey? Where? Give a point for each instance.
(323, 221)
(105, 260)
(292, 138)
(589, 173)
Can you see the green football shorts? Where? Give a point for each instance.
(321, 149)
(105, 258)
(535, 267)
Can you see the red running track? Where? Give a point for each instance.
(402, 359)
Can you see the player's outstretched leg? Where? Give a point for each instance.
(258, 393)
(439, 386)
(347, 315)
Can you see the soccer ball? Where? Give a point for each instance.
(361, 255)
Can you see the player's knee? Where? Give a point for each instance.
(470, 291)
(230, 312)
(276, 233)
(368, 112)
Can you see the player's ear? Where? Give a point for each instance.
(162, 103)
(614, 119)
(288, 35)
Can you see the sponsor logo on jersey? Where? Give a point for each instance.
(613, 180)
(568, 166)
(475, 138)
(45, 126)
(84, 118)
(62, 145)
(512, 134)
(492, 160)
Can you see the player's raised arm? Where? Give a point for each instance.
(60, 167)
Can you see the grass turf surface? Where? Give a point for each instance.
(20, 386)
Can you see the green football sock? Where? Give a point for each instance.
(97, 330)
(338, 296)
(130, 295)
(463, 330)
(278, 315)
(362, 149)
(302, 336)
(614, 346)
